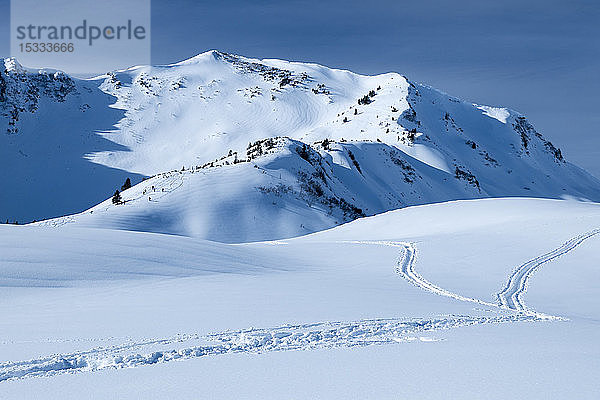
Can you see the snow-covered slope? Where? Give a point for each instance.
(393, 143)
(48, 123)
(283, 188)
(406, 304)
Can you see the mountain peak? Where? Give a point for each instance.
(210, 55)
(395, 143)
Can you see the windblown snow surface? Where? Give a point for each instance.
(494, 299)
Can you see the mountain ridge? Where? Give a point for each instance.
(393, 143)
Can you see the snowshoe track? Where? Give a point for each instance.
(284, 338)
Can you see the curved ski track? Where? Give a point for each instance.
(299, 337)
(510, 296)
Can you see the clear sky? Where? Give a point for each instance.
(541, 58)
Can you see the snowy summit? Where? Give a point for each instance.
(288, 148)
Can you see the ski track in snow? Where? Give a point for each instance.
(405, 268)
(510, 296)
(154, 189)
(304, 336)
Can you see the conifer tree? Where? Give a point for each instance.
(116, 199)
(126, 185)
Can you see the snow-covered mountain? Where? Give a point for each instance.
(48, 123)
(244, 151)
(239, 149)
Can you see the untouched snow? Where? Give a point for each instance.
(501, 114)
(390, 302)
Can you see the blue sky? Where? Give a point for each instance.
(541, 58)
